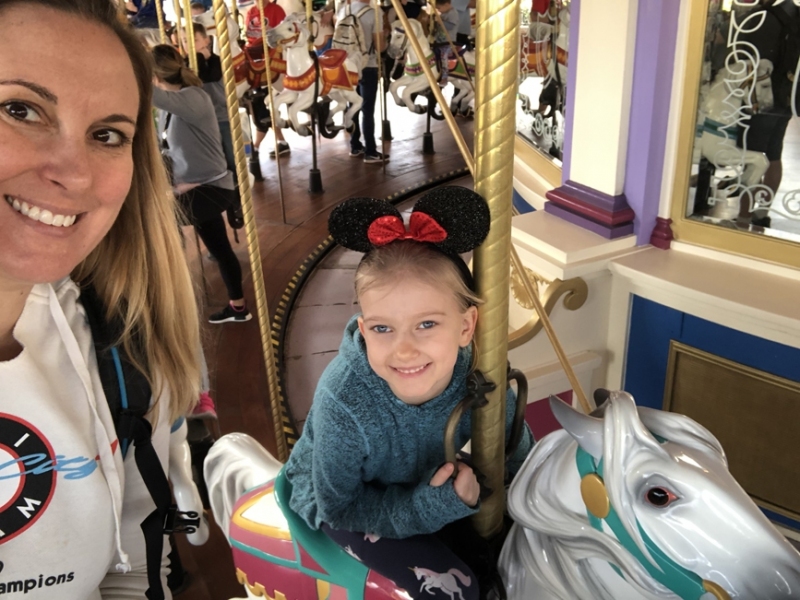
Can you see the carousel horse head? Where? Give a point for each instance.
(398, 42)
(638, 504)
(290, 33)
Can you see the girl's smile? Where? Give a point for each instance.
(413, 331)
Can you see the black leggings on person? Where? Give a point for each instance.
(215, 237)
(203, 207)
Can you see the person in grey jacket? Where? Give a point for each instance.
(202, 182)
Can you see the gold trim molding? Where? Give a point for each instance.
(537, 161)
(575, 292)
(694, 232)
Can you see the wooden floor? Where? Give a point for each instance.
(233, 351)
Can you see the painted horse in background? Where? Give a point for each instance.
(638, 505)
(336, 76)
(414, 82)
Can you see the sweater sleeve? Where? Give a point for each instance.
(345, 501)
(190, 108)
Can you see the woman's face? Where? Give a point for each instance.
(68, 107)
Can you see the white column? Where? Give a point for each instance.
(606, 41)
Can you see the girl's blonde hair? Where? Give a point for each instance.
(169, 67)
(138, 269)
(408, 258)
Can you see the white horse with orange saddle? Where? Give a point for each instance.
(335, 76)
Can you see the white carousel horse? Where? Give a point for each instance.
(638, 505)
(207, 20)
(735, 88)
(665, 477)
(413, 80)
(337, 77)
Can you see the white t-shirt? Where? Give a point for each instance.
(69, 509)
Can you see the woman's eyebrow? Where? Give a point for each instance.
(40, 91)
(118, 118)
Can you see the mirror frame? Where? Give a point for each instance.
(536, 160)
(694, 232)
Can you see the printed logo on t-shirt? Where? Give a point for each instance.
(28, 468)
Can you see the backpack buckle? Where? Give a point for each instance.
(177, 521)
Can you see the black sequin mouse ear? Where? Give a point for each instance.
(350, 222)
(462, 213)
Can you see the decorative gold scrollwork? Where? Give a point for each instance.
(575, 289)
(257, 589)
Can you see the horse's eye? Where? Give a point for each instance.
(660, 497)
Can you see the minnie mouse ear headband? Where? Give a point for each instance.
(450, 219)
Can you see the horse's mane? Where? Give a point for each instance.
(560, 535)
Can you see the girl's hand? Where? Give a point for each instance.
(465, 485)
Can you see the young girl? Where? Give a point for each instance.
(369, 468)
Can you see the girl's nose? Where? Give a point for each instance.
(405, 348)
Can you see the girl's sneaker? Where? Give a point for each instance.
(231, 314)
(205, 408)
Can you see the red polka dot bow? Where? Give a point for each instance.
(422, 228)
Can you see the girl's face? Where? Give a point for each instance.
(413, 331)
(68, 106)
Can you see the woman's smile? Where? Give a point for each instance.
(41, 215)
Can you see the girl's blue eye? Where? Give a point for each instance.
(380, 329)
(427, 324)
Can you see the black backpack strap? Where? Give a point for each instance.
(128, 394)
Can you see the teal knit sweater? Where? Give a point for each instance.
(365, 459)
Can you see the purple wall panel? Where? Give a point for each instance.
(572, 69)
(656, 32)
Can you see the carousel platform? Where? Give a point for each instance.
(316, 281)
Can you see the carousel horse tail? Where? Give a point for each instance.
(235, 464)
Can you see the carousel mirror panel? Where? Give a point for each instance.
(746, 152)
(544, 40)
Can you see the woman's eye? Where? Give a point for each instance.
(427, 324)
(660, 497)
(21, 112)
(111, 137)
(380, 329)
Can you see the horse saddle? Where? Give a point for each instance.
(333, 58)
(278, 556)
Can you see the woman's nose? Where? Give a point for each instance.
(68, 164)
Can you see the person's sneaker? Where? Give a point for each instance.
(378, 157)
(355, 153)
(283, 149)
(229, 314)
(204, 409)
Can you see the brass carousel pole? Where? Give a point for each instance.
(377, 28)
(262, 310)
(161, 28)
(176, 6)
(272, 115)
(495, 129)
(188, 26)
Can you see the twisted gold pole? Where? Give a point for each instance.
(496, 87)
(188, 26)
(162, 31)
(262, 310)
(176, 6)
(273, 116)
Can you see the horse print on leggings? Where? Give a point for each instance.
(444, 581)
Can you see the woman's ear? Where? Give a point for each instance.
(468, 323)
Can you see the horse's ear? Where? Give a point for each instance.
(586, 430)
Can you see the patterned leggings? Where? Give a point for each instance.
(421, 565)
